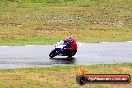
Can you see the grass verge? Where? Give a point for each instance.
(60, 76)
(24, 21)
(29, 41)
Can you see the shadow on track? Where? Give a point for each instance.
(64, 60)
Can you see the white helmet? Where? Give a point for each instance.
(70, 38)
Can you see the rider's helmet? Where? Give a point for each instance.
(70, 38)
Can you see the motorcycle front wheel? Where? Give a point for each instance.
(52, 54)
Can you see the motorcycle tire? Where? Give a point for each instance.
(52, 54)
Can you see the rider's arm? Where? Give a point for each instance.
(66, 40)
(73, 47)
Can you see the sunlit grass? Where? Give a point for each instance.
(88, 20)
(60, 76)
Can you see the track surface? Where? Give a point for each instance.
(88, 53)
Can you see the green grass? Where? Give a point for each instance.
(60, 76)
(88, 20)
(29, 41)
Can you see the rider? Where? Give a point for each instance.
(73, 46)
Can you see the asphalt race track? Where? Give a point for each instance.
(88, 53)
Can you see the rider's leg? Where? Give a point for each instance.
(71, 53)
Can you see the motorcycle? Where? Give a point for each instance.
(59, 49)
